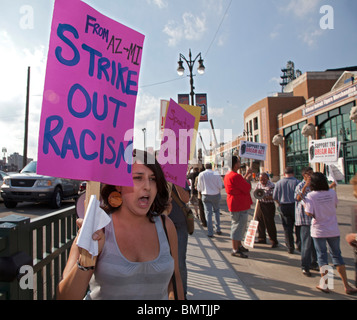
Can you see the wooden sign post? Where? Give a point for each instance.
(92, 188)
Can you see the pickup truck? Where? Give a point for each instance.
(30, 187)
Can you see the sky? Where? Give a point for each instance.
(244, 44)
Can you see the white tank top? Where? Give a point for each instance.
(117, 278)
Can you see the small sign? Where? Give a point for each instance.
(323, 150)
(176, 142)
(250, 235)
(253, 150)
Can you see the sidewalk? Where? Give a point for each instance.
(210, 276)
(268, 274)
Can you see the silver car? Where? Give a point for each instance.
(31, 187)
(2, 176)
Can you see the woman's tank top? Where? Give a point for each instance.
(117, 278)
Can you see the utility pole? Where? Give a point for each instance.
(24, 160)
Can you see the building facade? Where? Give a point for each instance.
(320, 101)
(329, 115)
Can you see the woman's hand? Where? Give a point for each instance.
(97, 236)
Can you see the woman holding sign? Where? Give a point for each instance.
(137, 249)
(321, 204)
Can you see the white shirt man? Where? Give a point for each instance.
(210, 185)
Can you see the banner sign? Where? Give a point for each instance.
(253, 150)
(183, 99)
(201, 101)
(91, 86)
(175, 148)
(336, 97)
(323, 150)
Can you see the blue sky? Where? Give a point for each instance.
(243, 49)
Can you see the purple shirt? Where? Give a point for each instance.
(322, 205)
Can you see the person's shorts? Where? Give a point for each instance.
(239, 225)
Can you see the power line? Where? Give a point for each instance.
(214, 38)
(219, 27)
(158, 83)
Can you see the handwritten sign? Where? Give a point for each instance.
(175, 148)
(92, 75)
(253, 150)
(196, 112)
(323, 150)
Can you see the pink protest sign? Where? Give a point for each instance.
(88, 109)
(176, 143)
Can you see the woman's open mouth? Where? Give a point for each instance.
(144, 201)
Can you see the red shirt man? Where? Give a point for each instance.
(239, 202)
(238, 192)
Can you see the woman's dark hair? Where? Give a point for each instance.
(161, 200)
(318, 182)
(234, 161)
(306, 169)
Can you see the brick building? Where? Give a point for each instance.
(323, 100)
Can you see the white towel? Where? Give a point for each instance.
(94, 220)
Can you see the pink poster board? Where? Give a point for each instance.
(89, 96)
(176, 143)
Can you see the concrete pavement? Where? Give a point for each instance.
(268, 274)
(210, 275)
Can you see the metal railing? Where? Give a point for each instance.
(33, 254)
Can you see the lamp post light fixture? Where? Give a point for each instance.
(190, 63)
(144, 131)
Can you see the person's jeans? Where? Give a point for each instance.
(288, 221)
(334, 248)
(308, 252)
(211, 204)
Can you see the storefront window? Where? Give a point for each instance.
(296, 149)
(337, 123)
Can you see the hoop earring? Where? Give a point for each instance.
(115, 199)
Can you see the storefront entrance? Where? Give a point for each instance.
(337, 123)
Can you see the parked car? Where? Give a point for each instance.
(83, 186)
(2, 176)
(30, 186)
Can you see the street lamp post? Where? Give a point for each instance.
(24, 159)
(144, 131)
(190, 63)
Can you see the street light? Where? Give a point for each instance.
(190, 63)
(144, 131)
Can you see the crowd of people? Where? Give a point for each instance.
(142, 251)
(307, 209)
